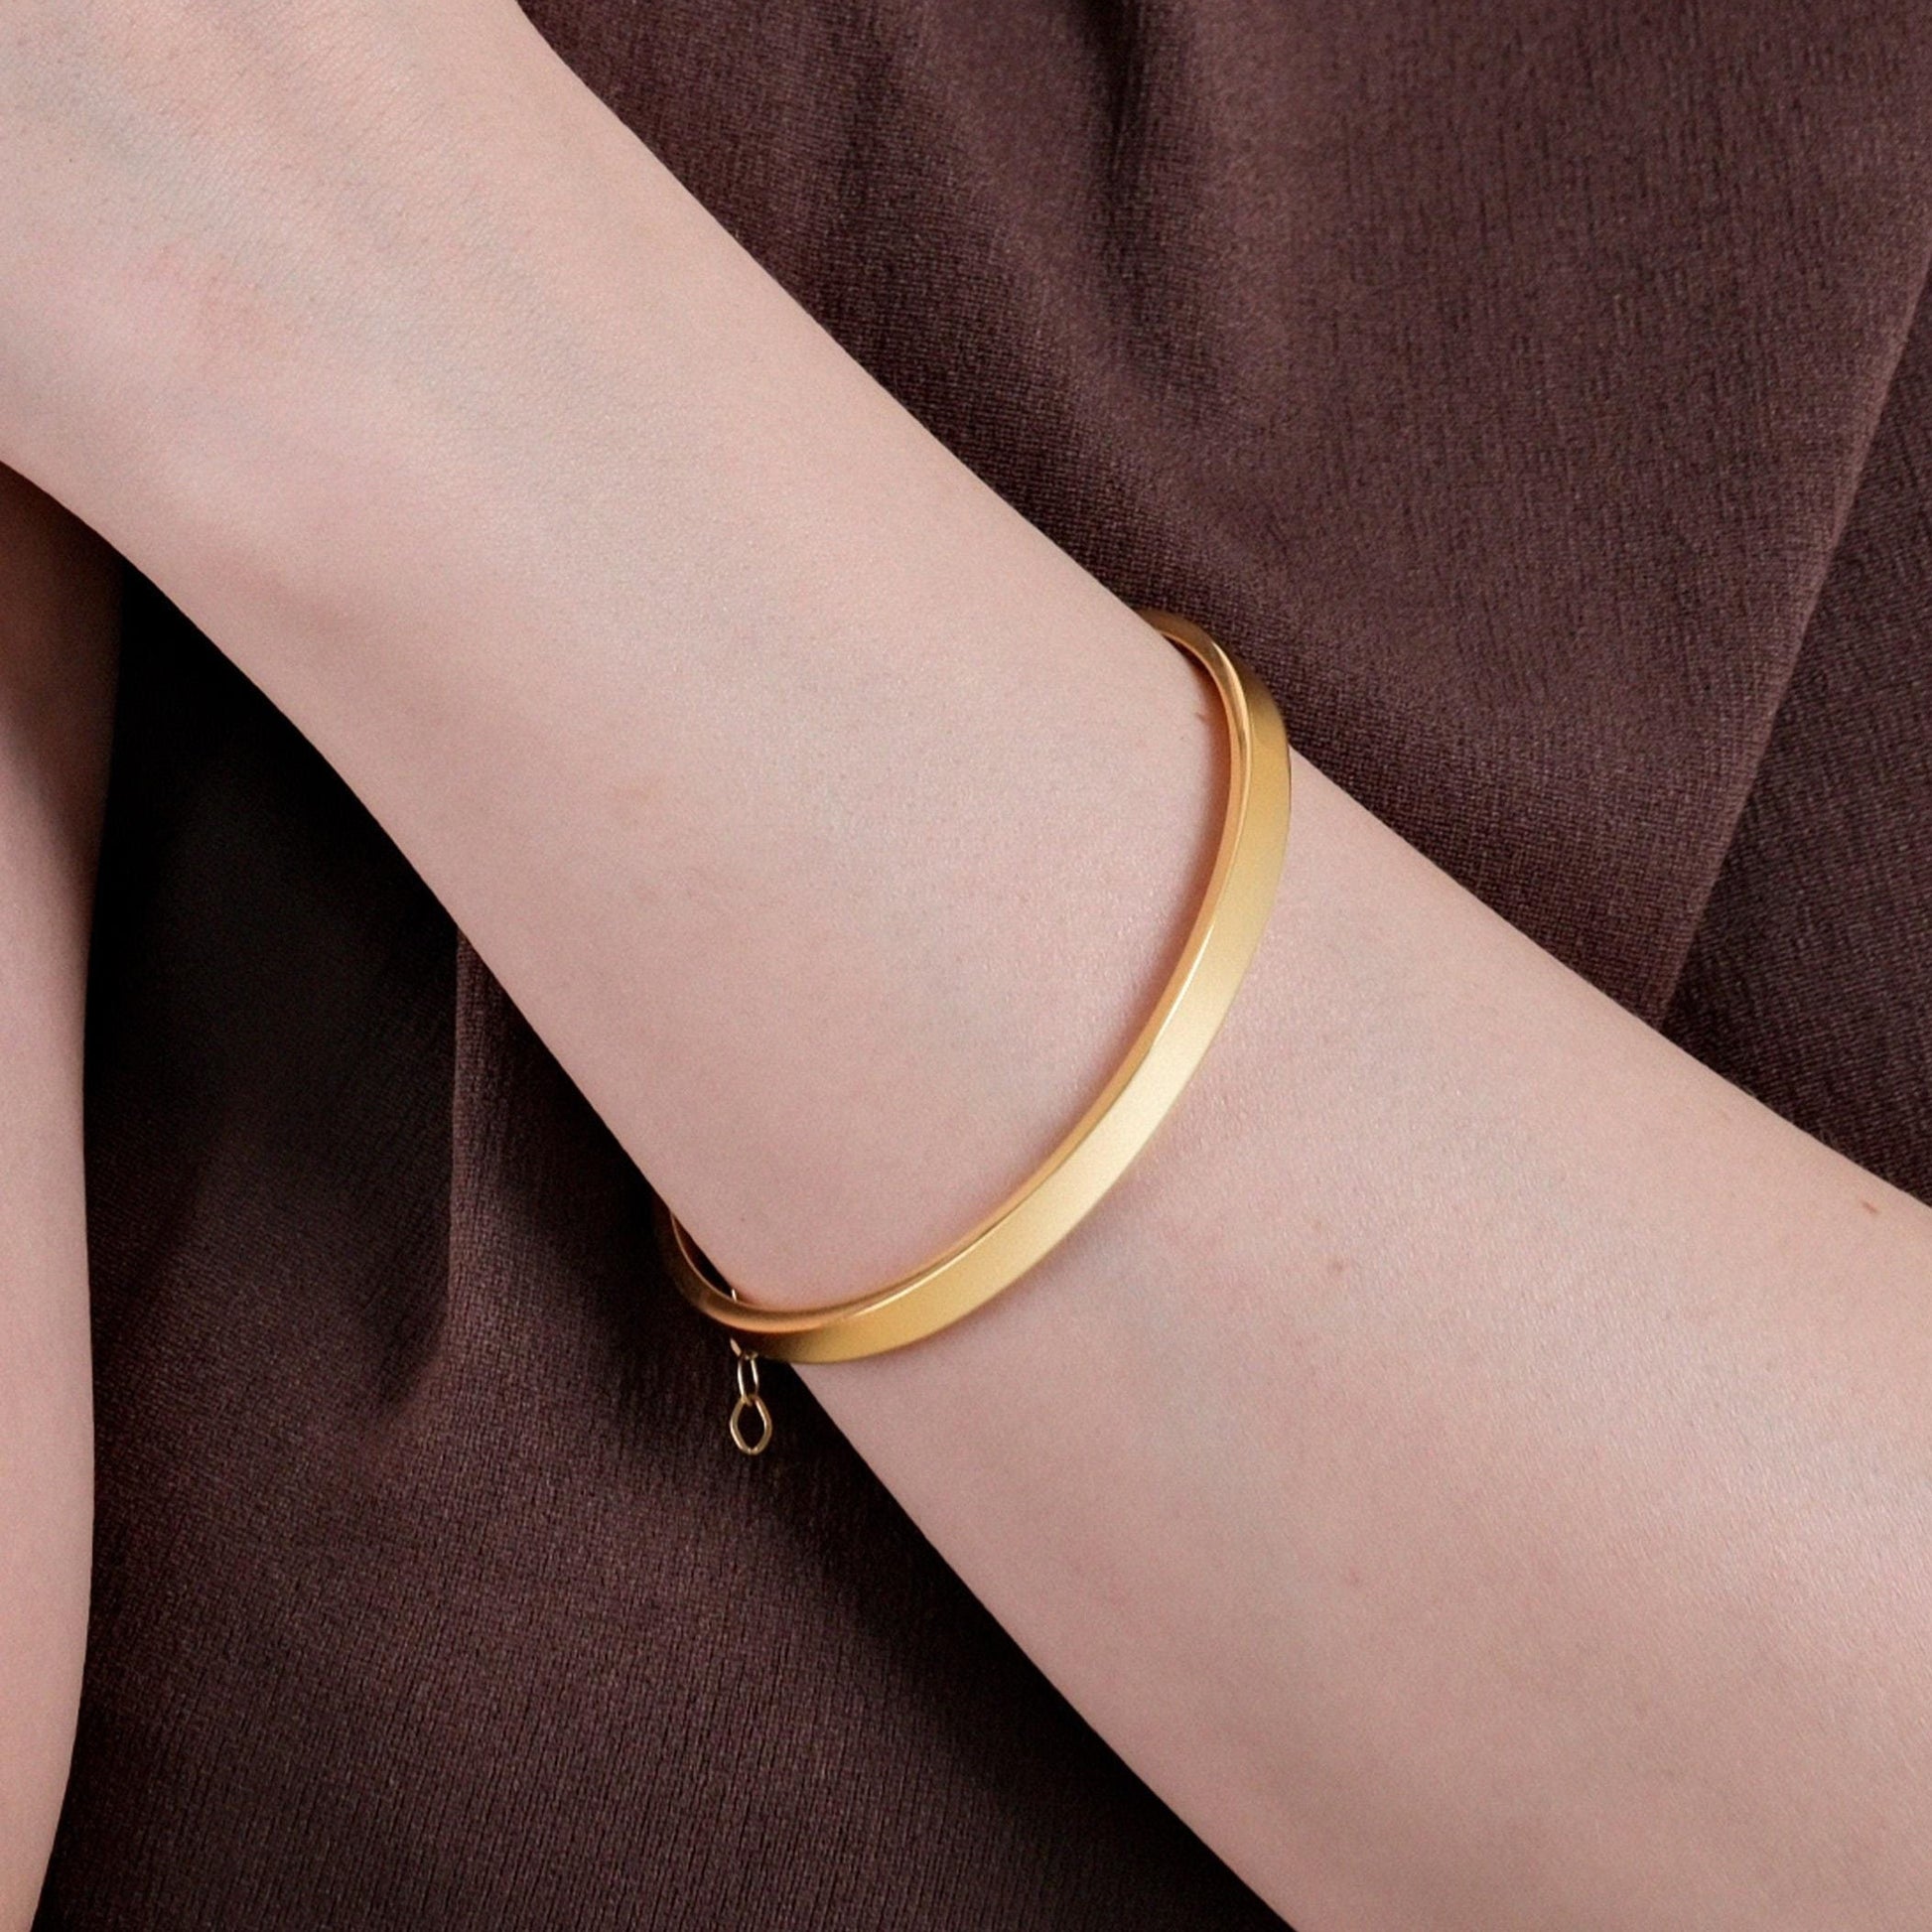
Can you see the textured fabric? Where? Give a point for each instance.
(1530, 392)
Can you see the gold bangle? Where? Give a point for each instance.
(1097, 1149)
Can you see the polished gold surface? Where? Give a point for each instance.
(1102, 1143)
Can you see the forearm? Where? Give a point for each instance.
(1475, 1466)
(57, 590)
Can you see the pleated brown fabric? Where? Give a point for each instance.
(1539, 396)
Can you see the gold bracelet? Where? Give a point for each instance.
(1044, 1209)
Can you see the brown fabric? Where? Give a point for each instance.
(1528, 391)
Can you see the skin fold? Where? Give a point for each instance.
(1475, 1466)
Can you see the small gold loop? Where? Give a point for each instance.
(747, 1378)
(758, 1444)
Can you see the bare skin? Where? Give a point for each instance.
(58, 589)
(1475, 1467)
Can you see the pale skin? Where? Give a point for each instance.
(1476, 1467)
(57, 597)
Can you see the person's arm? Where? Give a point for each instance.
(57, 590)
(1478, 1466)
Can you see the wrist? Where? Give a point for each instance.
(593, 565)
